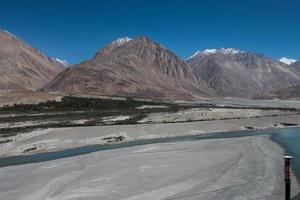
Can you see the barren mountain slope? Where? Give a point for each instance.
(234, 73)
(21, 66)
(138, 67)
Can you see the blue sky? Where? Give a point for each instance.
(75, 29)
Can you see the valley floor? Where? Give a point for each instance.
(228, 168)
(237, 168)
(63, 138)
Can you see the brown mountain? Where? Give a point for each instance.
(234, 73)
(138, 67)
(296, 66)
(21, 66)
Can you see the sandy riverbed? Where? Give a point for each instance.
(239, 168)
(62, 138)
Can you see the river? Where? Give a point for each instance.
(289, 138)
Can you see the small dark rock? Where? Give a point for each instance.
(114, 139)
(289, 124)
(249, 127)
(29, 149)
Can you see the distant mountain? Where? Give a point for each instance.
(23, 67)
(61, 63)
(235, 73)
(136, 67)
(287, 61)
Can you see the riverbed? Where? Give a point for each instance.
(232, 165)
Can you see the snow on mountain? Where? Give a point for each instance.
(227, 51)
(5, 31)
(209, 51)
(230, 51)
(63, 62)
(195, 54)
(121, 41)
(287, 61)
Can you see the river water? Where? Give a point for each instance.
(290, 141)
(289, 138)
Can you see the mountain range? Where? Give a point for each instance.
(141, 67)
(235, 73)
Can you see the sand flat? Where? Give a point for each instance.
(64, 138)
(238, 168)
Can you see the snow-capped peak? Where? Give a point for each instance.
(209, 51)
(63, 62)
(5, 31)
(287, 61)
(195, 54)
(121, 41)
(227, 51)
(59, 62)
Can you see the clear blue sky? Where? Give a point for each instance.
(75, 29)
